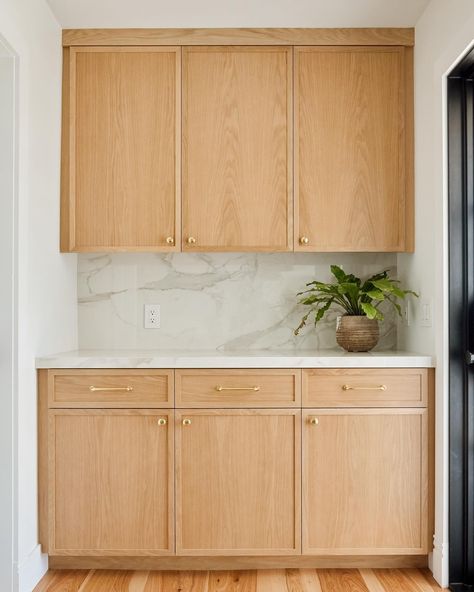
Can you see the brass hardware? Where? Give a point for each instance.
(304, 240)
(95, 389)
(186, 421)
(170, 240)
(191, 240)
(220, 388)
(162, 421)
(314, 421)
(348, 387)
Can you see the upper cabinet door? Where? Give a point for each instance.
(353, 149)
(237, 149)
(121, 149)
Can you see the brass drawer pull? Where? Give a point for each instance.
(96, 389)
(348, 387)
(170, 240)
(191, 240)
(314, 421)
(304, 240)
(186, 422)
(220, 388)
(162, 421)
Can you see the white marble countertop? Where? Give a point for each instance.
(234, 359)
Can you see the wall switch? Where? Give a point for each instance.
(426, 313)
(151, 316)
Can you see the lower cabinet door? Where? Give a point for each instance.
(365, 481)
(110, 481)
(238, 482)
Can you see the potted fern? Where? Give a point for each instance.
(357, 330)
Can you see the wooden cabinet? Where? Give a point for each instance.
(268, 480)
(238, 482)
(121, 149)
(353, 149)
(111, 482)
(365, 481)
(237, 140)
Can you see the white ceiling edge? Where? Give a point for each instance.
(76, 14)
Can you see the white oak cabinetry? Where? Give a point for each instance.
(334, 105)
(130, 468)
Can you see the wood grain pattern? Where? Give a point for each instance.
(242, 36)
(407, 387)
(43, 480)
(71, 388)
(365, 478)
(216, 562)
(121, 152)
(277, 580)
(278, 388)
(350, 188)
(238, 468)
(237, 148)
(110, 482)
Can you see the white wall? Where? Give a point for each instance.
(46, 279)
(443, 33)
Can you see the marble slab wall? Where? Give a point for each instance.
(220, 301)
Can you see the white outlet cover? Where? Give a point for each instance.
(151, 316)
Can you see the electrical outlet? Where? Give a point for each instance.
(151, 316)
(426, 312)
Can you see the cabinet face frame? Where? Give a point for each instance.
(425, 545)
(68, 150)
(190, 413)
(189, 201)
(405, 173)
(51, 479)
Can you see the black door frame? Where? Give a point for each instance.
(461, 318)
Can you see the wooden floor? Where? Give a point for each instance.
(289, 580)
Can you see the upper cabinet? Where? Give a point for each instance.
(353, 149)
(237, 148)
(277, 147)
(121, 148)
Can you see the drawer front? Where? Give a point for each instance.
(111, 388)
(238, 388)
(405, 387)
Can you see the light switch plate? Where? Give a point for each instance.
(426, 312)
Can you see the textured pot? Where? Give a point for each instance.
(357, 334)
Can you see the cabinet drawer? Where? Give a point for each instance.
(238, 388)
(405, 387)
(110, 388)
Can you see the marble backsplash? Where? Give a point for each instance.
(220, 301)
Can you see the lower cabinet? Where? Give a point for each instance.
(238, 482)
(111, 482)
(320, 463)
(365, 481)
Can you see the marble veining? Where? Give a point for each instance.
(212, 301)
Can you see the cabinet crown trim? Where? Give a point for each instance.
(242, 36)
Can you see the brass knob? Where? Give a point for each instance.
(191, 240)
(304, 240)
(314, 421)
(170, 240)
(186, 421)
(162, 421)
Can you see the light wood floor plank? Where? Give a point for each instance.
(395, 580)
(341, 580)
(303, 580)
(69, 580)
(371, 580)
(271, 580)
(232, 581)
